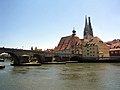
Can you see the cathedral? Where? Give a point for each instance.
(87, 47)
(88, 33)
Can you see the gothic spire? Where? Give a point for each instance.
(89, 23)
(85, 20)
(88, 33)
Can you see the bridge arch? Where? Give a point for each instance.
(39, 58)
(15, 58)
(57, 58)
(75, 58)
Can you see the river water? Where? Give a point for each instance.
(75, 76)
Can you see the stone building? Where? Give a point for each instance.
(88, 47)
(69, 44)
(115, 52)
(95, 48)
(114, 47)
(115, 44)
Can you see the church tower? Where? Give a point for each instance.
(88, 33)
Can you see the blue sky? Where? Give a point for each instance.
(41, 23)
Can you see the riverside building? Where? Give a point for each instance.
(95, 48)
(114, 47)
(70, 44)
(88, 47)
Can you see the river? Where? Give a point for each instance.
(75, 76)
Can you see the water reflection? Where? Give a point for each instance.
(19, 70)
(82, 76)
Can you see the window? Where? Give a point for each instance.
(87, 46)
(87, 53)
(116, 52)
(112, 52)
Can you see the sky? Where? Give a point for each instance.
(42, 23)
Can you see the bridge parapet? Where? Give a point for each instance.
(20, 51)
(17, 53)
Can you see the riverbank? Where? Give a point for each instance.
(99, 61)
(27, 64)
(54, 63)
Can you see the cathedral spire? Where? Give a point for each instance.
(89, 23)
(88, 33)
(85, 20)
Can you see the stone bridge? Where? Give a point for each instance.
(41, 56)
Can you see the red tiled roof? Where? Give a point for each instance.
(114, 44)
(95, 39)
(65, 42)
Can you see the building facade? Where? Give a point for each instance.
(69, 44)
(90, 50)
(114, 47)
(115, 52)
(88, 47)
(95, 48)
